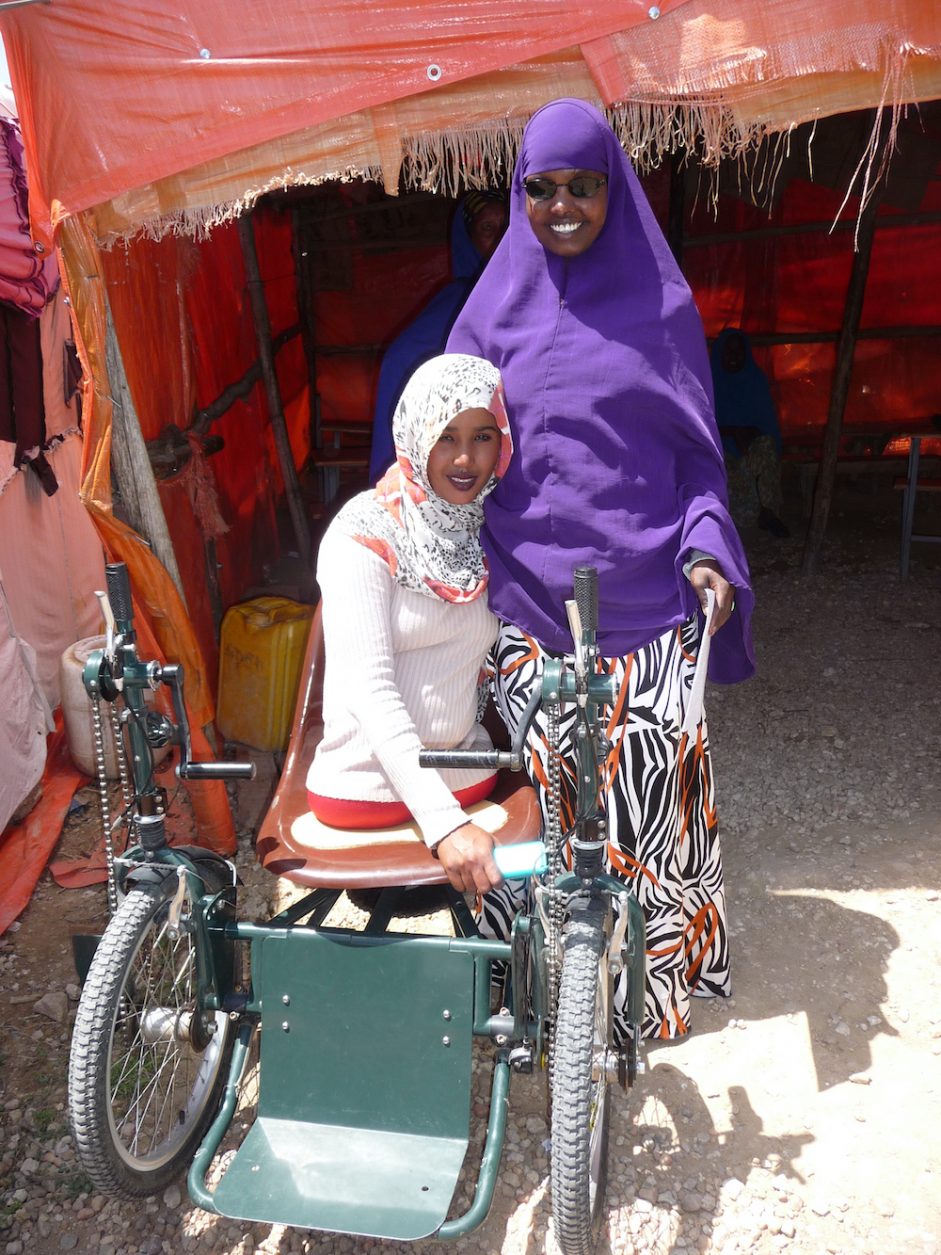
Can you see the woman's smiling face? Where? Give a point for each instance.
(564, 224)
(465, 456)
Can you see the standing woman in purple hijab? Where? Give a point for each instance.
(618, 465)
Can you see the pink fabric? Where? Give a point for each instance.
(51, 562)
(27, 277)
(55, 328)
(25, 722)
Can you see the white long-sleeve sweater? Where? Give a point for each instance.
(401, 672)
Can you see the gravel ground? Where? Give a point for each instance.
(802, 1114)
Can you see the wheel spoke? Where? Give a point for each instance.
(185, 970)
(164, 981)
(143, 1104)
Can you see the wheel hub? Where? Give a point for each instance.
(164, 1024)
(608, 1064)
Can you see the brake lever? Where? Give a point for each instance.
(108, 615)
(575, 627)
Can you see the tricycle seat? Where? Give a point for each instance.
(292, 843)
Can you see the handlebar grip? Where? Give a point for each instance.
(586, 597)
(218, 771)
(467, 758)
(119, 590)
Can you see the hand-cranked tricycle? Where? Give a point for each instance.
(365, 1037)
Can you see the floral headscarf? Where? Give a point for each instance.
(429, 545)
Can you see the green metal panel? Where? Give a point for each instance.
(368, 1032)
(364, 1107)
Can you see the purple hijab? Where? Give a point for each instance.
(618, 460)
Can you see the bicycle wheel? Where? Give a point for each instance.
(580, 1097)
(144, 1078)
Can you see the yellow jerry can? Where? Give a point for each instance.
(261, 651)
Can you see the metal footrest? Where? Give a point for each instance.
(364, 1181)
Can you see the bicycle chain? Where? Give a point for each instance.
(121, 756)
(555, 913)
(104, 800)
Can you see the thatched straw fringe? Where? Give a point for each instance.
(448, 161)
(881, 139)
(198, 222)
(195, 223)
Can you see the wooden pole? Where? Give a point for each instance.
(130, 463)
(262, 323)
(677, 210)
(804, 228)
(901, 331)
(211, 559)
(300, 246)
(204, 419)
(846, 348)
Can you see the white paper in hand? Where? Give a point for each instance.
(695, 700)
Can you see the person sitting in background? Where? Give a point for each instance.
(478, 224)
(751, 438)
(406, 623)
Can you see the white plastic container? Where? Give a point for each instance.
(77, 712)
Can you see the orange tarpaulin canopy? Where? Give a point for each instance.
(152, 114)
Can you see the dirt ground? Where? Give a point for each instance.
(804, 1113)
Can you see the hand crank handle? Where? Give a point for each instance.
(586, 597)
(470, 758)
(217, 771)
(119, 594)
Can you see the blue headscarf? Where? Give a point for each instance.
(743, 397)
(422, 339)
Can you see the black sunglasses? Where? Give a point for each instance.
(582, 187)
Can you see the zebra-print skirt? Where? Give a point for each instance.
(660, 802)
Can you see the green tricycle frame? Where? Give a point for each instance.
(363, 1116)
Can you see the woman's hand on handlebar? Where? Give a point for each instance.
(466, 854)
(708, 574)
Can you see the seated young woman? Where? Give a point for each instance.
(406, 623)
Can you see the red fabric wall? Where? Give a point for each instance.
(796, 283)
(184, 323)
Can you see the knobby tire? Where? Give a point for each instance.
(580, 1105)
(139, 1107)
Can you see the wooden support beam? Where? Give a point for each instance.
(262, 323)
(130, 463)
(904, 331)
(846, 348)
(204, 419)
(896, 221)
(303, 278)
(677, 209)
